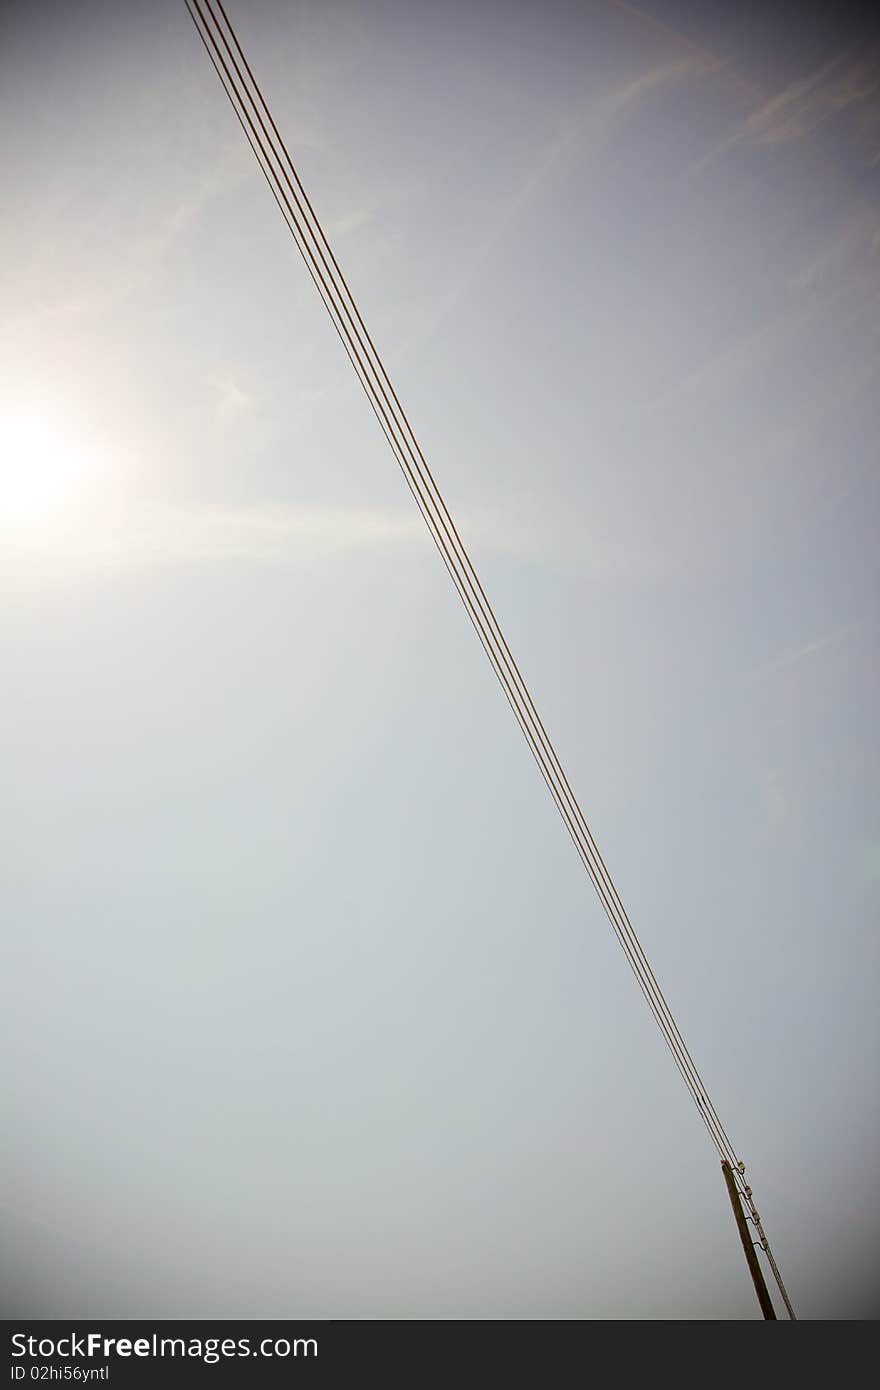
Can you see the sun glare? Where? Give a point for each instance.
(43, 473)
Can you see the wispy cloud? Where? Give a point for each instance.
(351, 221)
(583, 128)
(139, 534)
(793, 656)
(802, 106)
(842, 88)
(748, 352)
(848, 254)
(63, 280)
(233, 402)
(91, 536)
(777, 804)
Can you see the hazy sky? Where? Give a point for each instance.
(308, 1006)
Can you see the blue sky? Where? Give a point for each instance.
(313, 1011)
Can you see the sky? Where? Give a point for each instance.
(309, 1009)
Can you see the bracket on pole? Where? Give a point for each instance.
(747, 1243)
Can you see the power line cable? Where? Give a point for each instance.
(393, 442)
(270, 151)
(384, 422)
(349, 308)
(488, 640)
(395, 445)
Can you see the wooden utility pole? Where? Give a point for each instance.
(747, 1243)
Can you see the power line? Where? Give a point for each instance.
(255, 118)
(455, 559)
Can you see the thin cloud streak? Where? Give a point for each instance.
(151, 534)
(581, 131)
(803, 106)
(836, 90)
(94, 536)
(792, 656)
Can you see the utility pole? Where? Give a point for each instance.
(747, 1242)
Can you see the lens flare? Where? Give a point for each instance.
(48, 479)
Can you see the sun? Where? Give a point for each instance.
(43, 470)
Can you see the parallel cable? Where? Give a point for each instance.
(270, 151)
(353, 315)
(393, 441)
(383, 420)
(601, 886)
